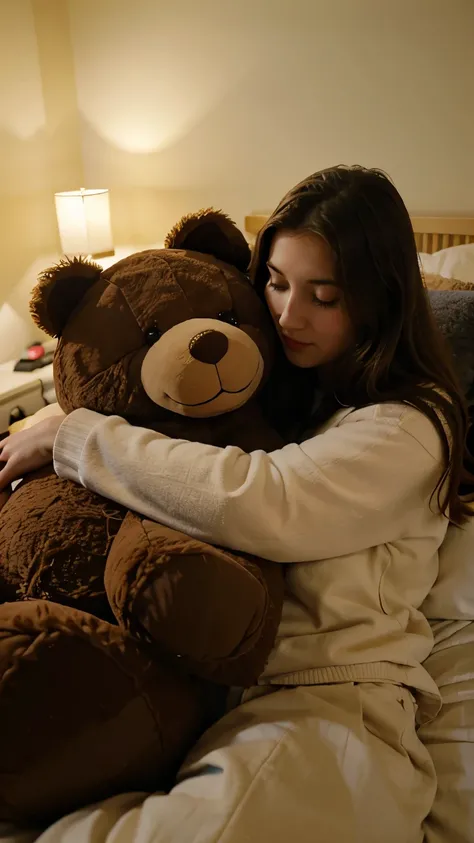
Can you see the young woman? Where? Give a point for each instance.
(325, 748)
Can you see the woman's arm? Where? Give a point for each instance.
(351, 487)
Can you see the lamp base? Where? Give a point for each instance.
(103, 254)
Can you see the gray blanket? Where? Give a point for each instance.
(454, 312)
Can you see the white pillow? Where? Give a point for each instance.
(454, 262)
(452, 596)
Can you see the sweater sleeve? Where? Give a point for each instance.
(344, 490)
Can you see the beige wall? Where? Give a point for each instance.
(176, 105)
(39, 152)
(230, 102)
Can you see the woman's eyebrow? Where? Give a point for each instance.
(315, 281)
(275, 268)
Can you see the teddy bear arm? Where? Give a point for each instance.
(216, 610)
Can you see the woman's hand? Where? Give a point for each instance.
(28, 450)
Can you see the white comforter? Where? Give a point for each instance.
(450, 737)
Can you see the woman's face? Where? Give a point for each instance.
(304, 300)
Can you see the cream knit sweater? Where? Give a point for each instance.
(348, 511)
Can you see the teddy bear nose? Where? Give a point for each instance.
(209, 346)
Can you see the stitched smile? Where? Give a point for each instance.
(222, 391)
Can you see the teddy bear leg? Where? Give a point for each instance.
(85, 713)
(217, 610)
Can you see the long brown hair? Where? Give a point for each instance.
(400, 353)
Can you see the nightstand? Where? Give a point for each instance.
(23, 391)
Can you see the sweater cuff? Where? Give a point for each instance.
(70, 441)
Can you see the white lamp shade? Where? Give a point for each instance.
(84, 222)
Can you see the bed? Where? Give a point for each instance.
(446, 249)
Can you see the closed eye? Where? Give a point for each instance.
(281, 288)
(324, 303)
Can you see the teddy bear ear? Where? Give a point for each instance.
(212, 233)
(59, 290)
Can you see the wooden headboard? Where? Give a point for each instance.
(434, 233)
(431, 233)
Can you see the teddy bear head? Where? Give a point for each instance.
(178, 330)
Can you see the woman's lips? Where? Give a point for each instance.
(294, 345)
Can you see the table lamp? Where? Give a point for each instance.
(84, 222)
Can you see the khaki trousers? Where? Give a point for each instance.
(320, 764)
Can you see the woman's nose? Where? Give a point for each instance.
(292, 317)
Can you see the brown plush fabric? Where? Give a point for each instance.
(52, 315)
(94, 710)
(213, 232)
(114, 630)
(152, 578)
(54, 542)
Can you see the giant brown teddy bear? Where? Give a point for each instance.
(116, 633)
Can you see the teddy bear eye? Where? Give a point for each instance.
(152, 335)
(229, 317)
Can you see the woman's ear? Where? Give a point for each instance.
(212, 233)
(59, 290)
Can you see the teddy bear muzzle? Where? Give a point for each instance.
(202, 368)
